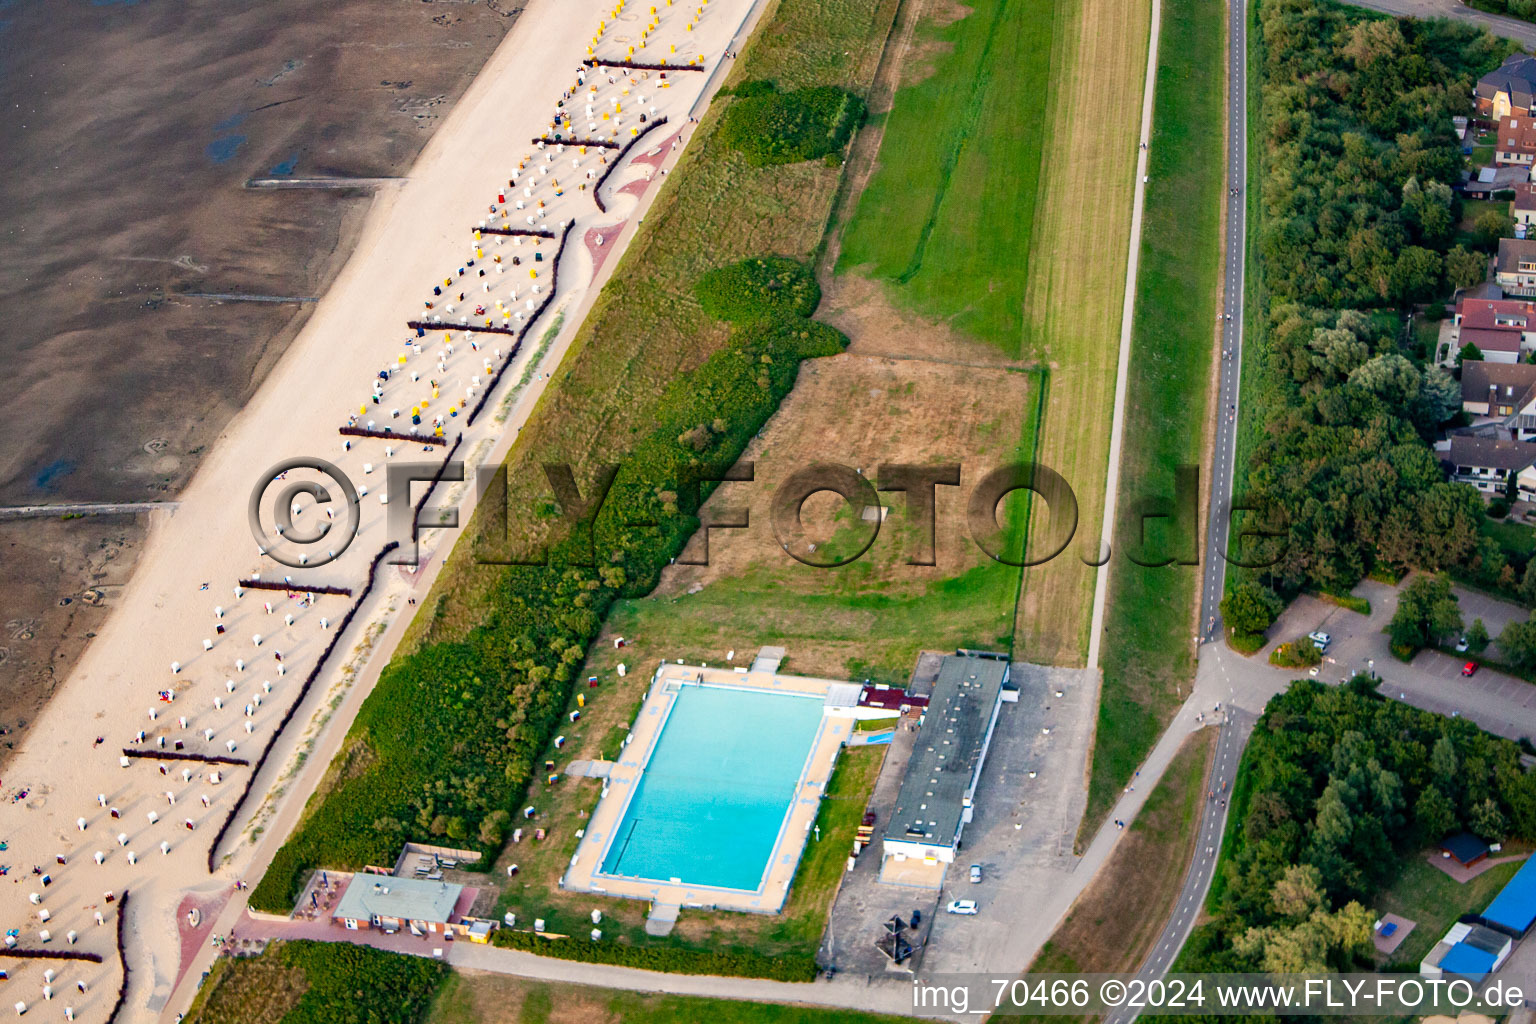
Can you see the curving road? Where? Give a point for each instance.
(1224, 452)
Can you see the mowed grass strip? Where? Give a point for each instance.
(946, 218)
(1076, 292)
(1112, 926)
(1147, 654)
(471, 997)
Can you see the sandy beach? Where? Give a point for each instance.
(72, 812)
(128, 236)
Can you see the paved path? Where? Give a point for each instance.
(1522, 32)
(1122, 371)
(1229, 751)
(1224, 452)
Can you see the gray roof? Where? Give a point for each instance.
(1491, 453)
(405, 899)
(1512, 251)
(1516, 76)
(948, 750)
(1497, 383)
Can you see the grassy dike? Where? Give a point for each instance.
(1148, 660)
(446, 743)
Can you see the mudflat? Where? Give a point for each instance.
(130, 131)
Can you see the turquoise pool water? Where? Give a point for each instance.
(718, 785)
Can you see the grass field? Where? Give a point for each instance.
(1148, 659)
(474, 998)
(972, 225)
(1114, 923)
(948, 215)
(1430, 898)
(871, 617)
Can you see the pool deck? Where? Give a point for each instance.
(584, 873)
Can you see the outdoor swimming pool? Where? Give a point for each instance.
(717, 788)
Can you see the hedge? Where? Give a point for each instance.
(771, 127)
(667, 959)
(449, 738)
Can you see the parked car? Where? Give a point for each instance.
(1470, 668)
(962, 907)
(1462, 645)
(975, 872)
(1320, 639)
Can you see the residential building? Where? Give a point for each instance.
(1488, 463)
(1507, 91)
(1502, 392)
(936, 798)
(1502, 329)
(1525, 205)
(1516, 141)
(1514, 268)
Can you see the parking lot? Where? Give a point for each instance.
(1494, 700)
(1021, 835)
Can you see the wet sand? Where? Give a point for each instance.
(130, 130)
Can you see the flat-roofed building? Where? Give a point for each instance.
(937, 794)
(390, 903)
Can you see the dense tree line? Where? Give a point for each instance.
(1358, 215)
(1337, 785)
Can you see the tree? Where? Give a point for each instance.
(1426, 611)
(1443, 761)
(1299, 891)
(1477, 637)
(1338, 351)
(1528, 585)
(1518, 642)
(1439, 398)
(1434, 815)
(1464, 267)
(1416, 274)
(1490, 226)
(1487, 820)
(1251, 608)
(1390, 377)
(1469, 353)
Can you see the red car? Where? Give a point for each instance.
(1469, 668)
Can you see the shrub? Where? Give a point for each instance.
(756, 289)
(771, 127)
(1301, 653)
(336, 983)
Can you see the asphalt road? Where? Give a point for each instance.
(1235, 731)
(1224, 452)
